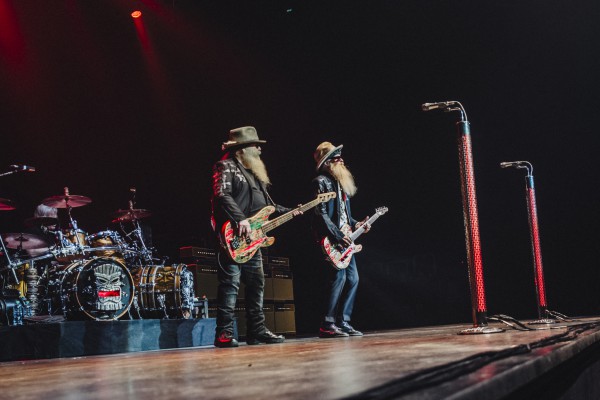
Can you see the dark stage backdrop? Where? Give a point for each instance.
(100, 103)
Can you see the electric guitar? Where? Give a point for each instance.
(338, 255)
(241, 249)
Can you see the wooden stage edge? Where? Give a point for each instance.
(418, 363)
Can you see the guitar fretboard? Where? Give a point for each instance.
(274, 223)
(360, 231)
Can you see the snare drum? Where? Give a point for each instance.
(109, 243)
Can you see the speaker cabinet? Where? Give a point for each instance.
(285, 318)
(268, 294)
(269, 310)
(283, 285)
(240, 315)
(206, 281)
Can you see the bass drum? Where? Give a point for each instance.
(100, 289)
(164, 291)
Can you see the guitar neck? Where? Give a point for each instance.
(282, 219)
(361, 230)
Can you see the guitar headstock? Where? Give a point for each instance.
(323, 197)
(381, 210)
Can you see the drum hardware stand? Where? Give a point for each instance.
(545, 316)
(11, 265)
(14, 169)
(72, 222)
(136, 306)
(162, 304)
(471, 219)
(32, 279)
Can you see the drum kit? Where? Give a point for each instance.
(103, 276)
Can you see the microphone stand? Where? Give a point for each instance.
(14, 170)
(471, 220)
(538, 271)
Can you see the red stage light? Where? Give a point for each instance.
(136, 14)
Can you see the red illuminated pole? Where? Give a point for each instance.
(538, 269)
(469, 199)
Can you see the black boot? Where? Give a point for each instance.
(347, 328)
(225, 339)
(267, 337)
(330, 330)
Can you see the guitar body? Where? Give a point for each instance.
(340, 256)
(336, 254)
(242, 249)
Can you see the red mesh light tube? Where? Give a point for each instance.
(471, 219)
(536, 248)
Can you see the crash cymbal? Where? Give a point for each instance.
(40, 221)
(65, 201)
(6, 205)
(130, 215)
(23, 240)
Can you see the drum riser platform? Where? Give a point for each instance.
(84, 338)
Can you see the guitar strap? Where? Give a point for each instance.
(344, 218)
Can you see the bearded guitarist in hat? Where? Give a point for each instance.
(328, 218)
(240, 182)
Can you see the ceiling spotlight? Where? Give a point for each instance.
(136, 14)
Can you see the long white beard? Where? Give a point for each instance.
(250, 157)
(343, 175)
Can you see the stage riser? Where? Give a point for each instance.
(85, 338)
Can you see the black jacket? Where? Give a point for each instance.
(232, 193)
(326, 218)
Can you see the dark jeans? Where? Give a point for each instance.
(342, 293)
(252, 275)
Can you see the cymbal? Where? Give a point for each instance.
(40, 221)
(130, 215)
(23, 240)
(65, 201)
(6, 205)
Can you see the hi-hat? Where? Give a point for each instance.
(40, 221)
(23, 240)
(6, 205)
(130, 215)
(66, 201)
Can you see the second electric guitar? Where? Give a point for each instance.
(338, 255)
(241, 249)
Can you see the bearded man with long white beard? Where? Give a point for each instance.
(328, 220)
(240, 183)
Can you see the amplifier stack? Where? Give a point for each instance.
(278, 307)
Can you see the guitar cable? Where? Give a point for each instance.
(223, 269)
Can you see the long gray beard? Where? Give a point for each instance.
(251, 160)
(343, 175)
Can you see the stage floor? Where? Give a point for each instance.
(386, 364)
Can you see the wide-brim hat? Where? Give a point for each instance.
(326, 151)
(242, 137)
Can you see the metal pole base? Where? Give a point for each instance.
(479, 330)
(542, 321)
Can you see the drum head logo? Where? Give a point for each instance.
(108, 287)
